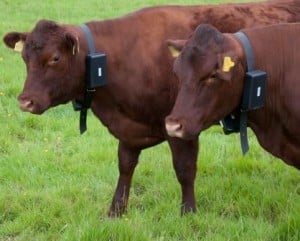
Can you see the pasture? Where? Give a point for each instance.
(58, 185)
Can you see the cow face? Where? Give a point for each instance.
(50, 54)
(210, 76)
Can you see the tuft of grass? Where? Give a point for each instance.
(58, 185)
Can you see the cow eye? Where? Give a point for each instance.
(213, 76)
(56, 58)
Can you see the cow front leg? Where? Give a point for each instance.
(128, 159)
(184, 155)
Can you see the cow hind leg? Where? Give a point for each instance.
(184, 155)
(128, 159)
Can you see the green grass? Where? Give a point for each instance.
(58, 185)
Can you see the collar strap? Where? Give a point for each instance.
(84, 105)
(248, 50)
(253, 95)
(250, 67)
(89, 38)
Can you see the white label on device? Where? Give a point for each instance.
(258, 91)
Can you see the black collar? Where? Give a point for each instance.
(253, 96)
(94, 77)
(250, 67)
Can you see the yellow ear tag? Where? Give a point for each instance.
(174, 52)
(19, 46)
(227, 64)
(76, 47)
(74, 50)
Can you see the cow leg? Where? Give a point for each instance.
(184, 155)
(128, 159)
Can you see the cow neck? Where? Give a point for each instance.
(85, 104)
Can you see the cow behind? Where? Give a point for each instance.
(212, 88)
(141, 87)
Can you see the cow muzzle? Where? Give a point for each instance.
(26, 105)
(174, 128)
(29, 105)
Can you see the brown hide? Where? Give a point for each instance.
(216, 89)
(141, 87)
(277, 124)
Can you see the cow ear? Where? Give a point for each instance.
(226, 63)
(15, 40)
(72, 42)
(175, 46)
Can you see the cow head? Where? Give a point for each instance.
(54, 74)
(210, 76)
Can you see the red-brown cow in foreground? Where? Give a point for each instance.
(211, 89)
(141, 87)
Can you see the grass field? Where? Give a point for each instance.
(58, 185)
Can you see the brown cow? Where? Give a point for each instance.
(211, 69)
(141, 87)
